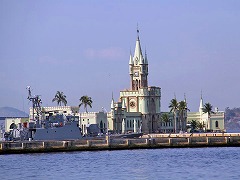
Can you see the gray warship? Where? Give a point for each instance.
(54, 127)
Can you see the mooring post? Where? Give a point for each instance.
(207, 140)
(89, 143)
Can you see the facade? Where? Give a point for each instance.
(169, 126)
(53, 110)
(214, 123)
(138, 108)
(11, 123)
(97, 118)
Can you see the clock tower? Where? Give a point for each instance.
(138, 108)
(138, 67)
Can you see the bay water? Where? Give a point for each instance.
(169, 163)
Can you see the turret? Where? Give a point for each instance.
(131, 64)
(123, 104)
(130, 59)
(146, 60)
(112, 104)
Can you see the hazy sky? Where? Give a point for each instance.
(82, 48)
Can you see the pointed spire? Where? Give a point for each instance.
(201, 103)
(123, 104)
(130, 59)
(112, 103)
(138, 51)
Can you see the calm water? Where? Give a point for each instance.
(185, 163)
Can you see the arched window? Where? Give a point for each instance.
(139, 83)
(13, 126)
(216, 124)
(136, 84)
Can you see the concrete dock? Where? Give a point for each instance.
(108, 143)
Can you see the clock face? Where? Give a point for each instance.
(136, 74)
(132, 104)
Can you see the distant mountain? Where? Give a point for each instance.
(11, 112)
(232, 119)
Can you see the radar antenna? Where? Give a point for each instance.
(36, 103)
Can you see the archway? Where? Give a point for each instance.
(101, 126)
(13, 126)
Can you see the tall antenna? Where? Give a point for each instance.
(36, 102)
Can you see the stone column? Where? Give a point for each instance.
(123, 126)
(135, 126)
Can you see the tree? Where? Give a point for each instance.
(194, 124)
(174, 107)
(207, 108)
(165, 118)
(60, 98)
(182, 108)
(86, 101)
(200, 125)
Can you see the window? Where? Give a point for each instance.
(216, 124)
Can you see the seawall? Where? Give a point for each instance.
(109, 143)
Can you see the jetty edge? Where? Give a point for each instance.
(149, 141)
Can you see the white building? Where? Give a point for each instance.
(11, 123)
(213, 123)
(88, 118)
(53, 110)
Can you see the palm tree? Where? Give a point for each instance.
(86, 101)
(200, 125)
(194, 124)
(182, 107)
(165, 118)
(60, 98)
(207, 108)
(174, 107)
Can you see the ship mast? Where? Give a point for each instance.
(36, 103)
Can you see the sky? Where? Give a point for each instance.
(83, 47)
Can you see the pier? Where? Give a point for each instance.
(108, 143)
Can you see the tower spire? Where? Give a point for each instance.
(137, 32)
(201, 103)
(130, 59)
(112, 102)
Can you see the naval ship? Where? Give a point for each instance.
(55, 127)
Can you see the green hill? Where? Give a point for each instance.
(232, 119)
